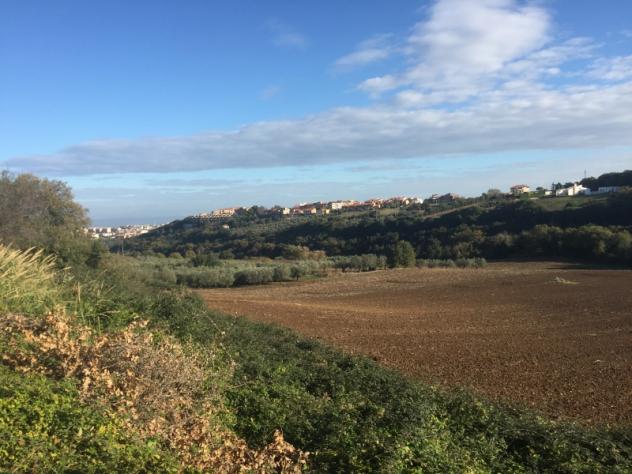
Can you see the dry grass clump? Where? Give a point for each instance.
(164, 390)
(27, 281)
(564, 281)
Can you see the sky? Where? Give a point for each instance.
(155, 110)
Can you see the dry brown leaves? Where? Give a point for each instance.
(154, 383)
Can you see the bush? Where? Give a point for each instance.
(168, 394)
(281, 273)
(165, 276)
(204, 277)
(255, 276)
(206, 260)
(403, 255)
(44, 427)
(360, 263)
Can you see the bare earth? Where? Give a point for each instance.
(509, 331)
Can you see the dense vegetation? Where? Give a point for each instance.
(164, 272)
(103, 371)
(589, 228)
(609, 179)
(39, 212)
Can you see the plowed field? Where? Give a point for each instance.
(547, 335)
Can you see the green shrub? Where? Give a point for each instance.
(281, 273)
(360, 263)
(45, 428)
(205, 277)
(254, 276)
(403, 255)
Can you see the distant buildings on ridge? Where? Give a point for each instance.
(121, 232)
(570, 189)
(322, 208)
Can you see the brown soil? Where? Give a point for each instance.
(551, 336)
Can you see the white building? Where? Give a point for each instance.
(573, 190)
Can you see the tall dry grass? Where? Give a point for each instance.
(28, 282)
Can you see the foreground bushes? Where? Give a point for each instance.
(44, 427)
(132, 400)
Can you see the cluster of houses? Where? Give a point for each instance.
(121, 232)
(322, 208)
(575, 189)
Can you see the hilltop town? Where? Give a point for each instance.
(323, 208)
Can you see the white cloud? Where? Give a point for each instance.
(612, 69)
(284, 35)
(377, 85)
(270, 92)
(374, 49)
(480, 36)
(463, 43)
(508, 119)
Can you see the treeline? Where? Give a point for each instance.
(590, 242)
(226, 275)
(623, 178)
(509, 229)
(209, 271)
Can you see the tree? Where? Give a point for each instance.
(493, 193)
(297, 271)
(95, 256)
(37, 212)
(403, 254)
(433, 249)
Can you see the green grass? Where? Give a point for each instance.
(559, 203)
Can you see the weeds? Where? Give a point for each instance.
(28, 281)
(564, 281)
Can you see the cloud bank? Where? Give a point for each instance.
(475, 76)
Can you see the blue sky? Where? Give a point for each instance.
(152, 110)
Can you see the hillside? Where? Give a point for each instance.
(593, 228)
